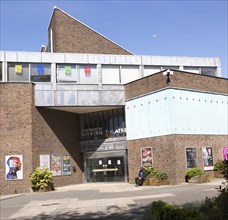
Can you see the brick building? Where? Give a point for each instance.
(65, 108)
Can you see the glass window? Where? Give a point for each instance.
(129, 73)
(66, 73)
(149, 70)
(170, 67)
(209, 71)
(191, 69)
(18, 72)
(110, 123)
(110, 74)
(88, 74)
(0, 71)
(40, 72)
(102, 125)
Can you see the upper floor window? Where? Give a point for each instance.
(209, 71)
(40, 72)
(18, 72)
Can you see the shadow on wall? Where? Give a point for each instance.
(65, 127)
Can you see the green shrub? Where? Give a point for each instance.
(150, 171)
(161, 175)
(219, 166)
(164, 211)
(41, 179)
(194, 172)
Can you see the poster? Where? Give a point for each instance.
(18, 69)
(45, 161)
(14, 167)
(191, 157)
(207, 158)
(66, 165)
(225, 153)
(146, 156)
(56, 165)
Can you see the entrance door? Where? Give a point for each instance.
(106, 169)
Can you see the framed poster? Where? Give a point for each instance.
(66, 166)
(191, 157)
(14, 167)
(146, 156)
(45, 161)
(207, 158)
(56, 165)
(225, 152)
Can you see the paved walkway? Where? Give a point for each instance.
(73, 208)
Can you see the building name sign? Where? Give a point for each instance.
(98, 131)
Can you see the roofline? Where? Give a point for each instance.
(87, 27)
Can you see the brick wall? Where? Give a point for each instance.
(56, 132)
(169, 153)
(16, 104)
(30, 131)
(71, 36)
(179, 79)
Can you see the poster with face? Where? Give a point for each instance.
(14, 167)
(225, 152)
(207, 158)
(146, 156)
(56, 165)
(191, 157)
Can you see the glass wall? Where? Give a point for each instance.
(77, 73)
(25, 72)
(40, 72)
(18, 72)
(102, 125)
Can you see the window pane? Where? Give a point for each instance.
(110, 74)
(209, 71)
(88, 74)
(115, 124)
(18, 72)
(191, 69)
(148, 70)
(110, 123)
(129, 73)
(66, 73)
(40, 72)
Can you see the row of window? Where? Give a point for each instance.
(103, 124)
(88, 74)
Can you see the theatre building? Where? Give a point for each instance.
(90, 110)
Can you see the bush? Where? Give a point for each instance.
(219, 166)
(161, 175)
(164, 211)
(41, 179)
(152, 173)
(193, 172)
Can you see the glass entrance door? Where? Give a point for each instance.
(105, 169)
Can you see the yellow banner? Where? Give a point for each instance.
(18, 69)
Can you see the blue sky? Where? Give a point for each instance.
(157, 28)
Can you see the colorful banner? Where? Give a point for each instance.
(40, 69)
(66, 165)
(67, 70)
(87, 70)
(56, 165)
(14, 167)
(18, 69)
(225, 152)
(45, 161)
(146, 156)
(207, 158)
(191, 157)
